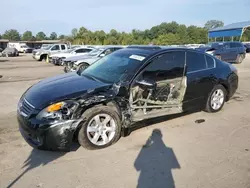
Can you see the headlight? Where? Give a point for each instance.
(58, 111)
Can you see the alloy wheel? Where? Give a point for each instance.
(101, 129)
(217, 99)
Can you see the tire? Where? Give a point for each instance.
(82, 66)
(86, 137)
(43, 57)
(240, 58)
(65, 69)
(218, 96)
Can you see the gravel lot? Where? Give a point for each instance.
(215, 153)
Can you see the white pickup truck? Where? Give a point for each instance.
(42, 54)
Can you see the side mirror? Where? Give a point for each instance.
(146, 82)
(102, 55)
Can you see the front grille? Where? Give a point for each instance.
(25, 107)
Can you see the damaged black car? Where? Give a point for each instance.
(96, 105)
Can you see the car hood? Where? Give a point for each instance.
(61, 87)
(41, 50)
(79, 57)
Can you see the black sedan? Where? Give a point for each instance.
(96, 105)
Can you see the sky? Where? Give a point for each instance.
(61, 16)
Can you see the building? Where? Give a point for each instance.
(31, 44)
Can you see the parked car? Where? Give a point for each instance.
(57, 58)
(10, 52)
(82, 62)
(98, 104)
(233, 52)
(43, 53)
(247, 46)
(28, 50)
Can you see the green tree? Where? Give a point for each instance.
(27, 36)
(246, 35)
(12, 34)
(168, 39)
(40, 36)
(62, 37)
(0, 36)
(74, 32)
(53, 36)
(212, 24)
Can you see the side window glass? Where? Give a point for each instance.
(87, 50)
(233, 45)
(226, 46)
(56, 47)
(63, 47)
(79, 51)
(108, 51)
(167, 66)
(195, 61)
(210, 62)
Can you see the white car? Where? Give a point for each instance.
(57, 58)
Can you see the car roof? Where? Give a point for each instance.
(146, 47)
(149, 52)
(107, 47)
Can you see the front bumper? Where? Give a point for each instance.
(41, 135)
(56, 61)
(36, 57)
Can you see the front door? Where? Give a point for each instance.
(55, 49)
(160, 87)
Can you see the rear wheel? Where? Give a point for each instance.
(216, 99)
(240, 58)
(101, 128)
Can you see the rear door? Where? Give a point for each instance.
(225, 52)
(234, 51)
(200, 79)
(63, 47)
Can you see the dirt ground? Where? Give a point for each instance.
(212, 154)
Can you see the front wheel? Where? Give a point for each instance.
(101, 128)
(65, 69)
(216, 99)
(82, 67)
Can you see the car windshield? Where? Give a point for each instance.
(95, 52)
(48, 47)
(70, 50)
(9, 49)
(118, 66)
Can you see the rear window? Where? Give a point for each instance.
(210, 62)
(195, 62)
